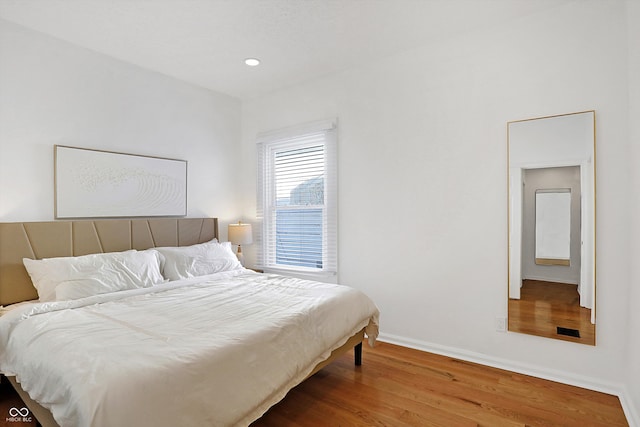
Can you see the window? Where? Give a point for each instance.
(297, 198)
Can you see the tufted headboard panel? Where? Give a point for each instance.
(50, 239)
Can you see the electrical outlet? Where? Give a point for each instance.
(501, 324)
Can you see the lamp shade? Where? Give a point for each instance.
(240, 234)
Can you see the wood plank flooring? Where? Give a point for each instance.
(397, 386)
(543, 306)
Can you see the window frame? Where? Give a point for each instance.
(288, 139)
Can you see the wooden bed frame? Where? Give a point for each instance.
(50, 239)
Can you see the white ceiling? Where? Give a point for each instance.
(206, 41)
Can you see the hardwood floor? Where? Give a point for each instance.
(543, 306)
(397, 386)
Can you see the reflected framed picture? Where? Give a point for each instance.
(553, 226)
(103, 184)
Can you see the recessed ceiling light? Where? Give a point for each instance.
(252, 62)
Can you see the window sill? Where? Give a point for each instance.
(320, 276)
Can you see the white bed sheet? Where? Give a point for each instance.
(218, 350)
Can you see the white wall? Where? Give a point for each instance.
(422, 180)
(633, 370)
(52, 92)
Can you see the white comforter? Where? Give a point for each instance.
(218, 350)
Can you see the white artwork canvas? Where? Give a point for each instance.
(553, 224)
(93, 184)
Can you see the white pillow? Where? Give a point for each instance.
(198, 260)
(76, 277)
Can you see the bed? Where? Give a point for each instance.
(217, 344)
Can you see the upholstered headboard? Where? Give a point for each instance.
(39, 240)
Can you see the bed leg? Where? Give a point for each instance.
(357, 350)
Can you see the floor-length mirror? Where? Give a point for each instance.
(551, 211)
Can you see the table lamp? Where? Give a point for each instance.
(240, 234)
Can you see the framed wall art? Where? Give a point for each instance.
(102, 184)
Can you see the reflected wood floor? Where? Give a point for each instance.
(543, 306)
(398, 386)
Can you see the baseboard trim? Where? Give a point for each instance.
(630, 410)
(582, 381)
(553, 280)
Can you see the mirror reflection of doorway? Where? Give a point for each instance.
(550, 303)
(546, 181)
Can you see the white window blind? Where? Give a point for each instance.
(297, 200)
